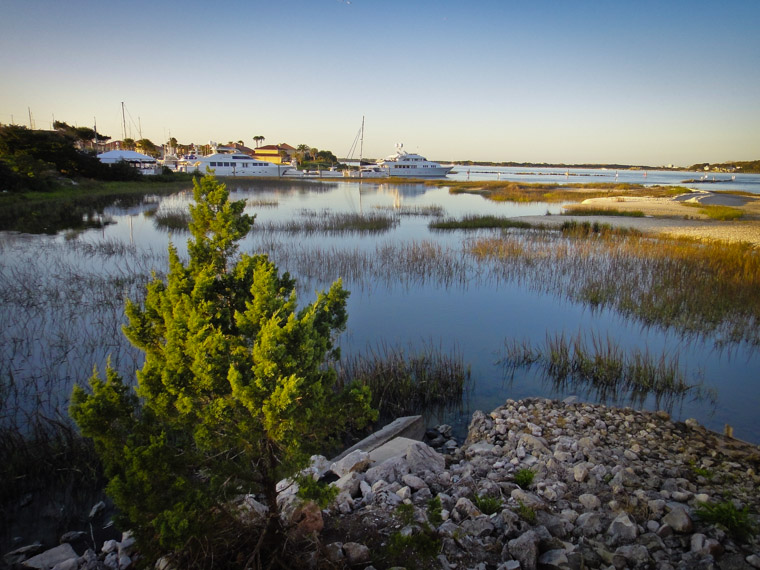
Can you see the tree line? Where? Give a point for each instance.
(38, 161)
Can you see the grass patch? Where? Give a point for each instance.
(586, 211)
(697, 288)
(525, 512)
(331, 223)
(603, 366)
(717, 212)
(431, 210)
(173, 220)
(508, 191)
(487, 505)
(478, 222)
(403, 383)
(725, 514)
(587, 229)
(524, 478)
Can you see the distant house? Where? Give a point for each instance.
(143, 163)
(243, 149)
(276, 153)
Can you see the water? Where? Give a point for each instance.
(472, 313)
(711, 181)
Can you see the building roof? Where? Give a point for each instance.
(126, 155)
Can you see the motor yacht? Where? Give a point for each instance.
(411, 165)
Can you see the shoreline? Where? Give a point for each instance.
(669, 217)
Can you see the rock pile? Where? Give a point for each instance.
(538, 484)
(611, 488)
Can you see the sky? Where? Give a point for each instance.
(572, 82)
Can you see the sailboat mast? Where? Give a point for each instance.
(123, 123)
(361, 144)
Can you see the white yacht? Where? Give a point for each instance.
(236, 164)
(411, 165)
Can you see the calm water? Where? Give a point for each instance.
(472, 314)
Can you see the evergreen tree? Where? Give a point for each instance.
(235, 392)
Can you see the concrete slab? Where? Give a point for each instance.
(411, 427)
(393, 448)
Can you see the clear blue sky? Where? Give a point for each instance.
(562, 81)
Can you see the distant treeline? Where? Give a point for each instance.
(747, 166)
(557, 165)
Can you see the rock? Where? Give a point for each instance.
(479, 526)
(50, 558)
(622, 529)
(527, 499)
(679, 520)
(390, 470)
(589, 524)
(357, 460)
(590, 502)
(421, 457)
(356, 553)
(349, 483)
(414, 482)
(307, 520)
(553, 560)
(72, 564)
(20, 554)
(524, 549)
(97, 509)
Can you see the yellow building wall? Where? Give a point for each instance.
(272, 156)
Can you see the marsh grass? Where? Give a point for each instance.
(602, 366)
(172, 219)
(716, 212)
(405, 382)
(588, 211)
(693, 287)
(431, 210)
(586, 229)
(332, 223)
(261, 203)
(478, 222)
(506, 191)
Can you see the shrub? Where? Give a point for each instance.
(524, 477)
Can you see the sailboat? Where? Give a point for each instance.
(365, 170)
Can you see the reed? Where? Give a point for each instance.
(332, 223)
(507, 191)
(261, 203)
(716, 212)
(172, 219)
(600, 366)
(432, 210)
(408, 381)
(588, 211)
(693, 287)
(478, 222)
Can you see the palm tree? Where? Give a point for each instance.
(258, 139)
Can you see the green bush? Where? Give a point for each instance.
(524, 478)
(736, 521)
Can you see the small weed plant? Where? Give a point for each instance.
(487, 505)
(736, 521)
(524, 478)
(525, 512)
